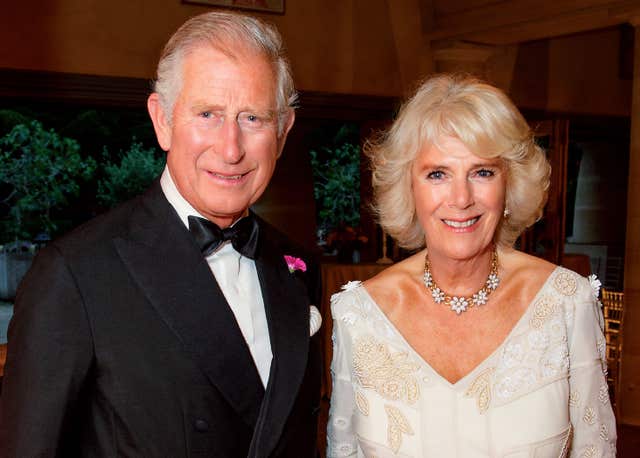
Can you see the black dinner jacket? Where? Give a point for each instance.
(122, 344)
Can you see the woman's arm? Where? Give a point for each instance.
(341, 438)
(594, 424)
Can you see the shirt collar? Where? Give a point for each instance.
(179, 203)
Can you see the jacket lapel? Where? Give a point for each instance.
(166, 263)
(287, 307)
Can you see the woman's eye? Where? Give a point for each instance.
(485, 173)
(206, 114)
(435, 175)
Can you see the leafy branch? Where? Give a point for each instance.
(336, 173)
(138, 167)
(39, 171)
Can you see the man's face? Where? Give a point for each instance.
(223, 140)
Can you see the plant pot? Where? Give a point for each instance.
(14, 263)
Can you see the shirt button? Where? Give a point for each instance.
(201, 426)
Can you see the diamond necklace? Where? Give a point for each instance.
(460, 304)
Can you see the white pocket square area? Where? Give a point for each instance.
(315, 320)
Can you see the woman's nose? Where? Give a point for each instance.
(462, 193)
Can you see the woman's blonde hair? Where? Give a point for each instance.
(484, 119)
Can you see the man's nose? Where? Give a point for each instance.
(230, 142)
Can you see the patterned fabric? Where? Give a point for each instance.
(542, 392)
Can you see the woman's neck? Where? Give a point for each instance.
(461, 276)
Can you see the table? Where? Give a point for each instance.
(333, 277)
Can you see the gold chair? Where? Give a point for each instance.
(613, 309)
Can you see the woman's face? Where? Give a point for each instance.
(459, 199)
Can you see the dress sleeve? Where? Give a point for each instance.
(594, 425)
(341, 437)
(49, 356)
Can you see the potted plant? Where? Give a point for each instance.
(336, 188)
(39, 171)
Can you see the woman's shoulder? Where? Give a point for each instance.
(518, 262)
(528, 269)
(391, 287)
(351, 298)
(395, 272)
(380, 289)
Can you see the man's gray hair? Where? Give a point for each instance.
(227, 32)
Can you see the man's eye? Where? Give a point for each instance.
(206, 114)
(435, 175)
(251, 120)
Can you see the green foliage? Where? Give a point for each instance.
(39, 171)
(94, 128)
(138, 167)
(11, 118)
(336, 174)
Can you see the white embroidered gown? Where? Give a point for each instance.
(541, 393)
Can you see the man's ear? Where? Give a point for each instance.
(291, 117)
(160, 121)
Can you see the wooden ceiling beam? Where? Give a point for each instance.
(516, 21)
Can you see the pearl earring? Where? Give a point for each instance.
(506, 213)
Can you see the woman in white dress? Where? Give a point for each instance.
(468, 348)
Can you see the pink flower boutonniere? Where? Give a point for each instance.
(295, 264)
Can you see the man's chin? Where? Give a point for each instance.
(226, 217)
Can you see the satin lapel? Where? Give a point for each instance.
(164, 260)
(287, 308)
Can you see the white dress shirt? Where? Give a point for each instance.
(238, 279)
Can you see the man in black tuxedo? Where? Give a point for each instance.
(178, 324)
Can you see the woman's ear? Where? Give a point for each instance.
(160, 121)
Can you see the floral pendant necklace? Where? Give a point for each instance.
(461, 304)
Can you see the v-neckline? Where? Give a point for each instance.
(480, 366)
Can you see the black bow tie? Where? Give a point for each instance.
(243, 235)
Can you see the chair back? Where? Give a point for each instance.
(613, 311)
(613, 305)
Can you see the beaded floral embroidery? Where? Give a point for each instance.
(362, 403)
(543, 309)
(481, 389)
(589, 452)
(389, 375)
(398, 425)
(540, 355)
(565, 283)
